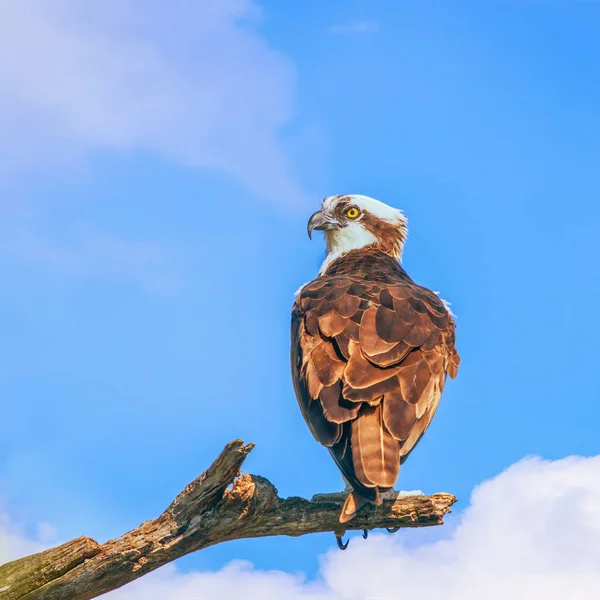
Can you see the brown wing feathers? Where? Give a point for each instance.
(370, 354)
(375, 452)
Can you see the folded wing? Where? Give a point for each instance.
(369, 362)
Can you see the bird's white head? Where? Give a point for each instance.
(352, 221)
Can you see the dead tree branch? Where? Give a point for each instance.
(218, 506)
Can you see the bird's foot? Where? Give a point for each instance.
(389, 495)
(343, 545)
(340, 542)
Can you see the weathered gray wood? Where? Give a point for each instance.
(210, 510)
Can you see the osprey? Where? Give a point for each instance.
(370, 349)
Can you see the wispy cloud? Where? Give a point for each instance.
(114, 75)
(90, 254)
(531, 532)
(355, 28)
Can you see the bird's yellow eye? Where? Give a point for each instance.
(352, 212)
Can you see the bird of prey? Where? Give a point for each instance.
(370, 348)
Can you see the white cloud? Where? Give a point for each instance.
(532, 532)
(14, 542)
(195, 83)
(355, 27)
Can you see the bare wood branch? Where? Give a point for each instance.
(218, 506)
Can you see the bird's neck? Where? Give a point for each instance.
(383, 237)
(360, 258)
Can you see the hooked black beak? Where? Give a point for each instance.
(320, 221)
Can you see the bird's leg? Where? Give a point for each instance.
(339, 533)
(348, 487)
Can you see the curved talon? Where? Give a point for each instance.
(340, 543)
(392, 529)
(365, 533)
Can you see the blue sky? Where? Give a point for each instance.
(154, 195)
